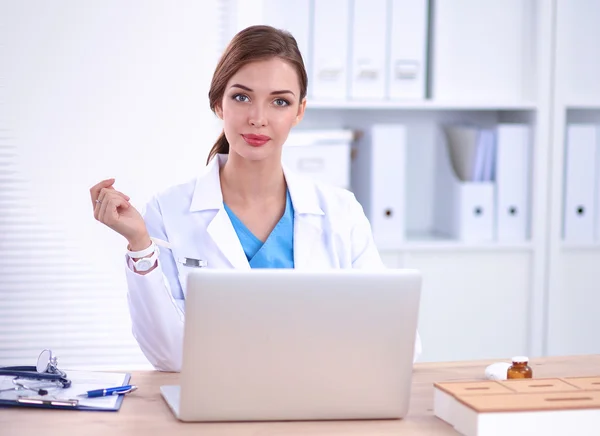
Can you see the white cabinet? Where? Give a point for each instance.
(573, 275)
(474, 304)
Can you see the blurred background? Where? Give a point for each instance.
(469, 130)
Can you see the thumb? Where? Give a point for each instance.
(115, 206)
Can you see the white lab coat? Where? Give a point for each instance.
(330, 231)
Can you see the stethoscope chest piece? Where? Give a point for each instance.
(46, 369)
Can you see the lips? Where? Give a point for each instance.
(256, 140)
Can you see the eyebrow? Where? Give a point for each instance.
(245, 88)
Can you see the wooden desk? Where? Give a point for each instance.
(144, 412)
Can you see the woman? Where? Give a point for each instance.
(245, 210)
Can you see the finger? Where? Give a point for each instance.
(109, 196)
(105, 203)
(109, 211)
(104, 197)
(97, 210)
(125, 203)
(98, 203)
(126, 197)
(95, 190)
(111, 190)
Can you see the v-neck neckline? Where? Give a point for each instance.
(240, 224)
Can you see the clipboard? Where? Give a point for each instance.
(69, 399)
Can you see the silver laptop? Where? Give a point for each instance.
(276, 344)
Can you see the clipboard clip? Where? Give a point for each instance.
(48, 402)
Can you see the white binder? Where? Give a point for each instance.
(580, 181)
(513, 167)
(295, 17)
(368, 49)
(407, 52)
(480, 50)
(464, 209)
(330, 50)
(378, 178)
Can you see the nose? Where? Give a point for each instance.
(257, 117)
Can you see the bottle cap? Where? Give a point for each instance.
(520, 359)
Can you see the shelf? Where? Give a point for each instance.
(574, 246)
(592, 105)
(419, 105)
(431, 242)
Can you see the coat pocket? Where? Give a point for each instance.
(185, 266)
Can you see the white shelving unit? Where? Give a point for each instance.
(480, 300)
(418, 105)
(490, 63)
(573, 272)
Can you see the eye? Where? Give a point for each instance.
(241, 98)
(281, 102)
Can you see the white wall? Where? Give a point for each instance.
(93, 89)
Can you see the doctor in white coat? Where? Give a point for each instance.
(244, 210)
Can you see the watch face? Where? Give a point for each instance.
(143, 264)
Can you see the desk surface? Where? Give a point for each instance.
(145, 413)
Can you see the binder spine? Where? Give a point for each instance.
(463, 210)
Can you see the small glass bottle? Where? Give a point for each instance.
(519, 368)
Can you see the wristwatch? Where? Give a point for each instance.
(145, 263)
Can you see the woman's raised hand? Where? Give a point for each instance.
(113, 209)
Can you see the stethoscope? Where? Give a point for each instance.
(45, 370)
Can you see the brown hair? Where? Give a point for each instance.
(252, 44)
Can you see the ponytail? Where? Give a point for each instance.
(221, 147)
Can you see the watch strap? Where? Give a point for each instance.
(143, 253)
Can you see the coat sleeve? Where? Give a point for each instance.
(364, 251)
(156, 302)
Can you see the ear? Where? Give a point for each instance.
(300, 114)
(219, 111)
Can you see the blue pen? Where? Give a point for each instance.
(109, 391)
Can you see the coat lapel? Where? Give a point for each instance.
(307, 233)
(308, 216)
(208, 198)
(224, 236)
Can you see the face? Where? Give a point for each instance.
(260, 105)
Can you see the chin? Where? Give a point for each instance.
(257, 153)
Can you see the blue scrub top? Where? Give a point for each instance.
(278, 250)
